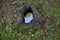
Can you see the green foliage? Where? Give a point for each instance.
(7, 34)
(25, 33)
(1, 12)
(2, 25)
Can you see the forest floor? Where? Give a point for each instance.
(50, 9)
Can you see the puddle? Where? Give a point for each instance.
(28, 18)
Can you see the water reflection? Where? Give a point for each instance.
(28, 18)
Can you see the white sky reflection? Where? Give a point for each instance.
(29, 19)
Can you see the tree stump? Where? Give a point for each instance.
(37, 21)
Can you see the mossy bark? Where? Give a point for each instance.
(37, 20)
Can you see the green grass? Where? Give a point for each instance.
(51, 32)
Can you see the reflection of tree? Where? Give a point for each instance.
(28, 15)
(28, 18)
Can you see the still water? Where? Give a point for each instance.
(29, 19)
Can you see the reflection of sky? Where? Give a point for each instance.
(28, 20)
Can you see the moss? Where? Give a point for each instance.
(48, 8)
